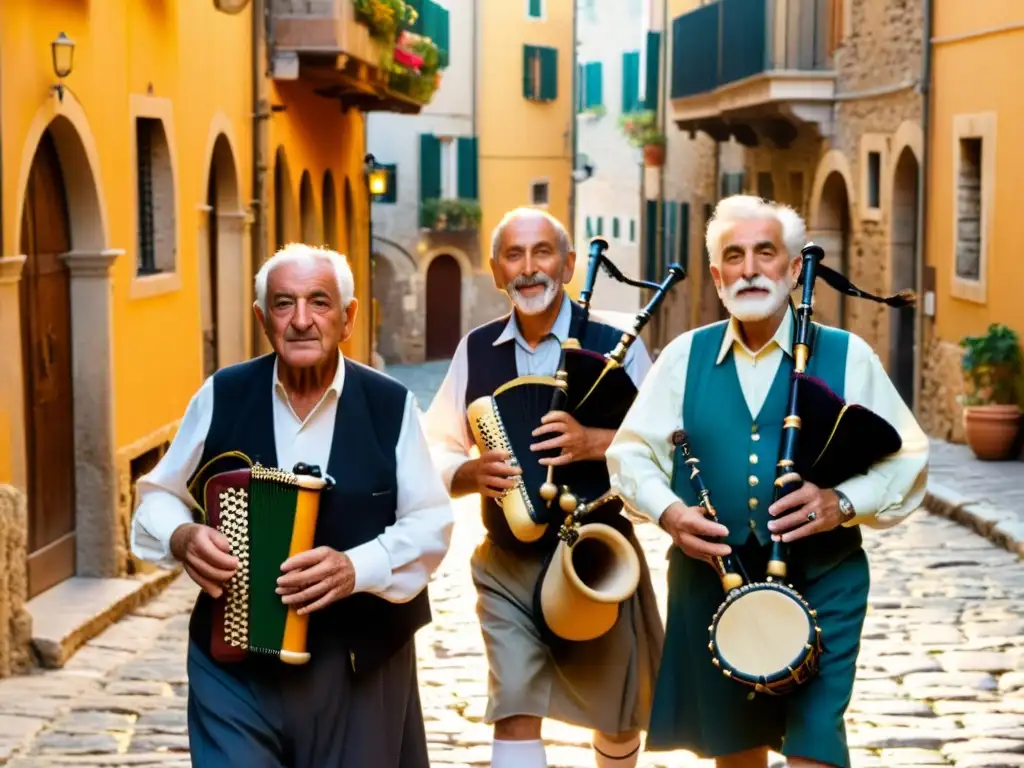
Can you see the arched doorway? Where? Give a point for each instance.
(330, 203)
(307, 211)
(904, 272)
(285, 229)
(222, 252)
(47, 372)
(832, 233)
(444, 307)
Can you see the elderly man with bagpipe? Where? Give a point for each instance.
(566, 606)
(761, 444)
(321, 521)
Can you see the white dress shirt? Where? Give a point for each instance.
(396, 565)
(640, 456)
(446, 426)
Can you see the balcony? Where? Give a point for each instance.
(754, 69)
(368, 62)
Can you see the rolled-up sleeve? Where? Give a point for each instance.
(894, 487)
(164, 502)
(640, 455)
(445, 425)
(398, 564)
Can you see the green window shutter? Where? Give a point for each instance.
(594, 85)
(548, 74)
(590, 227)
(467, 160)
(417, 5)
(535, 9)
(430, 168)
(630, 81)
(600, 226)
(529, 87)
(652, 79)
(632, 230)
(668, 248)
(615, 227)
(650, 238)
(684, 235)
(442, 35)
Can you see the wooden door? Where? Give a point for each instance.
(444, 307)
(46, 357)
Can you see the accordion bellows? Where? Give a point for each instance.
(268, 515)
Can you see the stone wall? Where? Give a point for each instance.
(942, 382)
(15, 621)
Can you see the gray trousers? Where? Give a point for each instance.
(312, 716)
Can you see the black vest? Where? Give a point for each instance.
(491, 366)
(357, 510)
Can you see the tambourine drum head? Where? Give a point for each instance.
(761, 633)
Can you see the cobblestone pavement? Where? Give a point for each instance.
(941, 677)
(999, 483)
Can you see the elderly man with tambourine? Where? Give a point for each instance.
(761, 444)
(566, 606)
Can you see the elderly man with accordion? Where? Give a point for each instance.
(566, 606)
(321, 518)
(761, 444)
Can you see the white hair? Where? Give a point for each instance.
(300, 253)
(745, 208)
(563, 240)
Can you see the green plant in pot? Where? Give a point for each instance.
(992, 391)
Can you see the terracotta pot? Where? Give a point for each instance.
(991, 430)
(654, 155)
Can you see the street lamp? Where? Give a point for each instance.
(62, 51)
(376, 187)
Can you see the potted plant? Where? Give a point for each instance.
(641, 130)
(991, 400)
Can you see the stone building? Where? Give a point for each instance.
(825, 99)
(497, 136)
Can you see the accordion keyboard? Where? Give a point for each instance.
(235, 525)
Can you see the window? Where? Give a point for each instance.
(590, 85)
(535, 9)
(589, 228)
(600, 226)
(539, 194)
(154, 198)
(631, 82)
(874, 180)
(765, 185)
(968, 211)
(615, 227)
(973, 183)
(732, 183)
(632, 230)
(448, 168)
(540, 73)
(449, 171)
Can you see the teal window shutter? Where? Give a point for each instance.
(684, 235)
(594, 96)
(529, 87)
(430, 168)
(467, 160)
(632, 230)
(417, 6)
(590, 227)
(535, 9)
(630, 81)
(548, 74)
(441, 36)
(600, 226)
(650, 237)
(615, 227)
(652, 80)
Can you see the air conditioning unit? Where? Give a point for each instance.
(230, 6)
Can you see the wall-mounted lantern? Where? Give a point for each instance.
(63, 52)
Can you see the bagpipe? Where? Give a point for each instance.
(268, 515)
(764, 634)
(590, 565)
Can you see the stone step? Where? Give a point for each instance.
(73, 612)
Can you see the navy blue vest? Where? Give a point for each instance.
(491, 366)
(358, 509)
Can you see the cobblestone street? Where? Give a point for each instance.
(941, 667)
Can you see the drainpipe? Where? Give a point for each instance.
(922, 205)
(260, 115)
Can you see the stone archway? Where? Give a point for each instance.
(444, 305)
(329, 200)
(903, 268)
(831, 229)
(286, 224)
(223, 285)
(59, 187)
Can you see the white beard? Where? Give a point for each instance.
(532, 305)
(753, 308)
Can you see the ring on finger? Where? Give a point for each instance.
(812, 516)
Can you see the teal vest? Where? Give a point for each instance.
(738, 450)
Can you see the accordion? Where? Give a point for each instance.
(268, 515)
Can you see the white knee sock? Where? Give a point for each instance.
(609, 754)
(518, 754)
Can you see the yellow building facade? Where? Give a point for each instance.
(976, 143)
(526, 115)
(146, 174)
